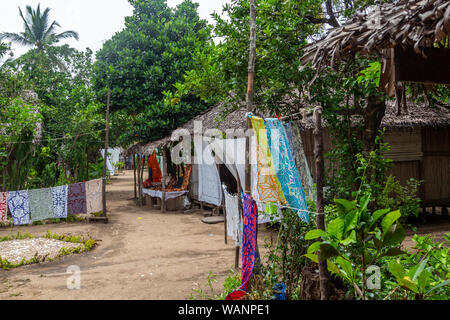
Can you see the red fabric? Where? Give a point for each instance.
(154, 166)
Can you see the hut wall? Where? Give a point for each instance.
(422, 154)
(436, 166)
(193, 183)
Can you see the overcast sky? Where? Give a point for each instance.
(95, 20)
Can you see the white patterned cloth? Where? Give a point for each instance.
(19, 206)
(158, 193)
(234, 220)
(94, 201)
(59, 199)
(210, 190)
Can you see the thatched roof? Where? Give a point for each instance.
(416, 23)
(418, 115)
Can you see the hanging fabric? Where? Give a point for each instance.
(153, 165)
(3, 206)
(19, 206)
(249, 242)
(59, 201)
(76, 199)
(234, 221)
(231, 153)
(210, 190)
(285, 167)
(41, 204)
(295, 139)
(268, 185)
(94, 197)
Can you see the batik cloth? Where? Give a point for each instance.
(249, 243)
(94, 198)
(285, 167)
(153, 165)
(295, 139)
(234, 221)
(19, 206)
(41, 204)
(3, 206)
(268, 186)
(59, 200)
(76, 199)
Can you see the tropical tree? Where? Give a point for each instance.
(38, 31)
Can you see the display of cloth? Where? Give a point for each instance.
(41, 204)
(19, 206)
(295, 138)
(76, 199)
(94, 198)
(249, 242)
(109, 165)
(285, 168)
(59, 201)
(158, 193)
(3, 206)
(234, 220)
(267, 183)
(231, 153)
(210, 190)
(153, 165)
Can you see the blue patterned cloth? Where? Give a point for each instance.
(59, 198)
(19, 205)
(285, 167)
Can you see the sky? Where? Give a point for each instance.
(95, 20)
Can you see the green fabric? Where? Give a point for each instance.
(271, 208)
(41, 204)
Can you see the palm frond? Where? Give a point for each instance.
(16, 37)
(67, 34)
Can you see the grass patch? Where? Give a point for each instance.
(85, 244)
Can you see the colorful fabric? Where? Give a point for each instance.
(59, 201)
(268, 186)
(295, 139)
(41, 204)
(19, 206)
(249, 243)
(3, 206)
(234, 221)
(94, 198)
(76, 199)
(285, 167)
(153, 165)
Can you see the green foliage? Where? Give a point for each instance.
(357, 239)
(146, 59)
(230, 284)
(425, 273)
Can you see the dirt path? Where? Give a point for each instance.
(142, 254)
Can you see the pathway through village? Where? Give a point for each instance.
(142, 254)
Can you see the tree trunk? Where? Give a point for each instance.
(373, 115)
(324, 276)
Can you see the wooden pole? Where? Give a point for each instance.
(134, 173)
(163, 181)
(105, 157)
(223, 208)
(324, 276)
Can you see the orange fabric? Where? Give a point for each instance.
(154, 166)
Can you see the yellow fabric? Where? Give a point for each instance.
(268, 186)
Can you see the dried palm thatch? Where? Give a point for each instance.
(415, 23)
(417, 115)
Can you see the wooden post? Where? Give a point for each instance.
(324, 276)
(138, 172)
(163, 181)
(105, 157)
(223, 207)
(134, 173)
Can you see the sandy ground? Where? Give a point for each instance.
(142, 254)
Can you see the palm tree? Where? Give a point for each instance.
(39, 32)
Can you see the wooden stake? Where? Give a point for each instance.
(105, 157)
(324, 277)
(134, 172)
(163, 181)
